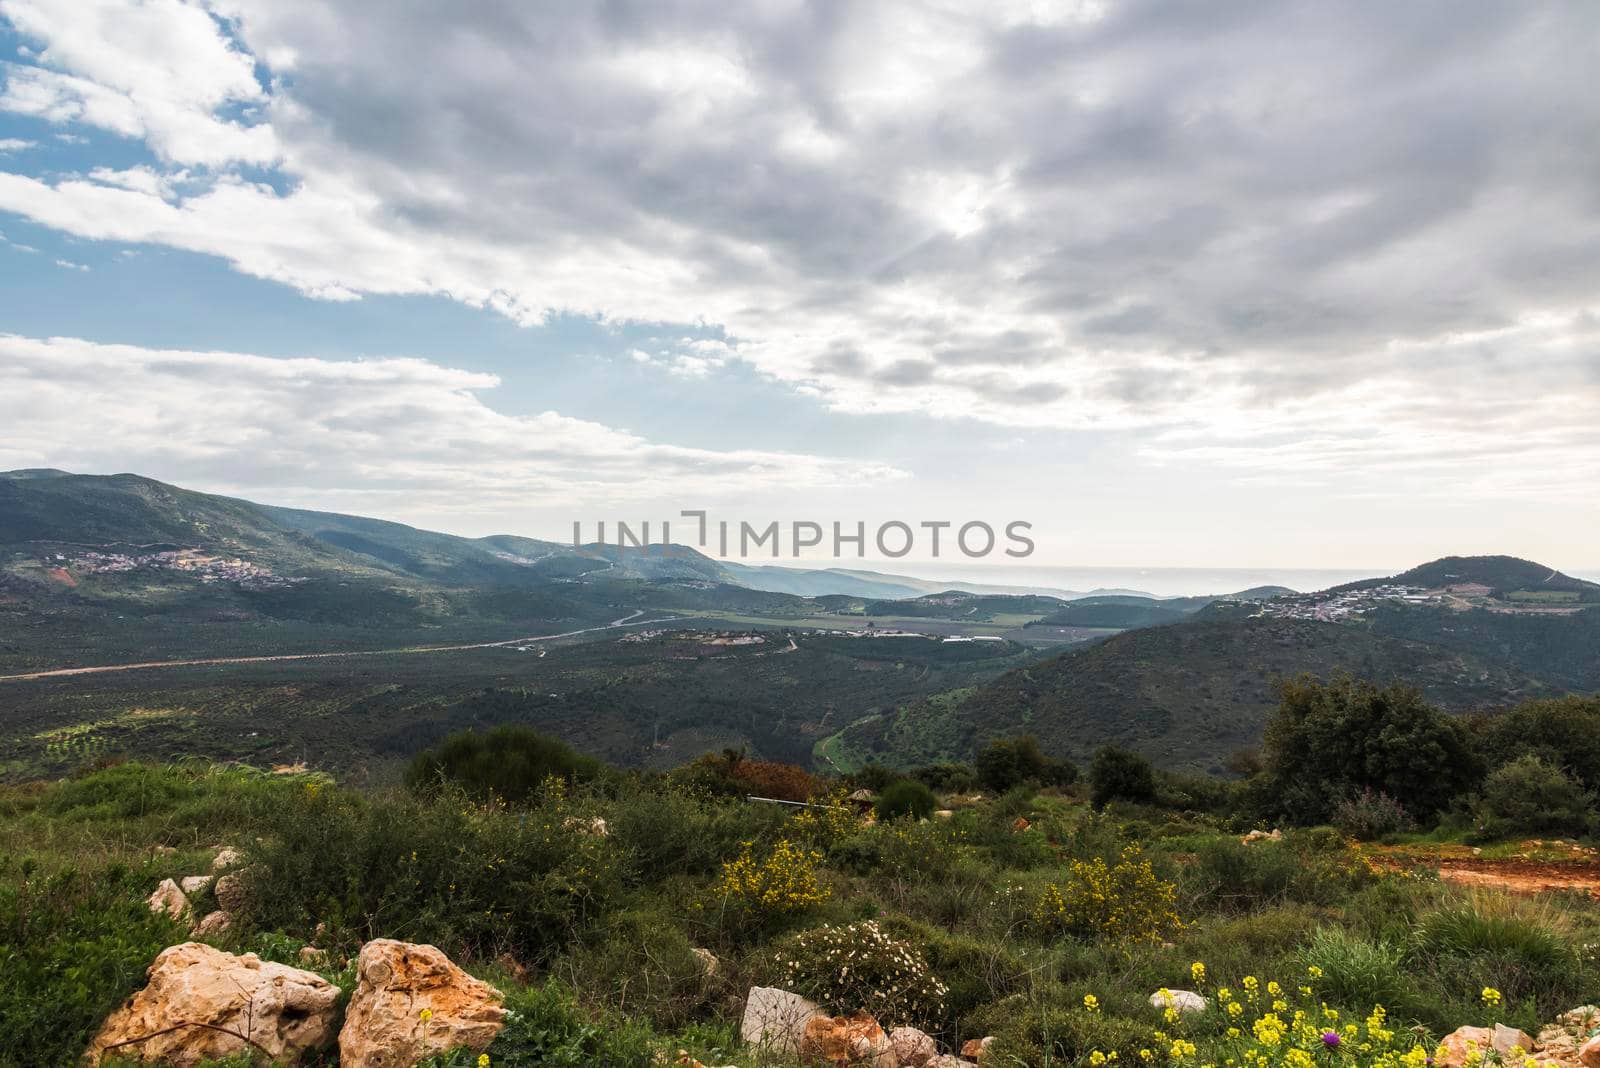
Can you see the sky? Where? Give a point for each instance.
(1178, 284)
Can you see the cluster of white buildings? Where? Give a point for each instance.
(1332, 607)
(203, 566)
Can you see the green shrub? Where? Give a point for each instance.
(639, 960)
(469, 879)
(862, 967)
(1526, 949)
(661, 829)
(1530, 796)
(1371, 814)
(1120, 775)
(1006, 763)
(73, 945)
(905, 798)
(546, 1028)
(507, 762)
(1357, 973)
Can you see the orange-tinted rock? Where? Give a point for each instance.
(411, 1002)
(282, 1010)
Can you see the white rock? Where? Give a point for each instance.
(1185, 1001)
(775, 1020)
(193, 884)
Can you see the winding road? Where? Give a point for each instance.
(632, 620)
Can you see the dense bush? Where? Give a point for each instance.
(1327, 742)
(906, 798)
(507, 762)
(1371, 814)
(470, 879)
(1010, 762)
(861, 966)
(1118, 774)
(1530, 796)
(1124, 901)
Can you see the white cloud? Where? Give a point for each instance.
(15, 144)
(1051, 216)
(399, 436)
(157, 69)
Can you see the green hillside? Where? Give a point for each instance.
(1185, 695)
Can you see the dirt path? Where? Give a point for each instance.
(54, 673)
(1537, 867)
(1522, 876)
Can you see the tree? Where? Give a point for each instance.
(1564, 732)
(506, 762)
(907, 797)
(1009, 762)
(1325, 743)
(1118, 774)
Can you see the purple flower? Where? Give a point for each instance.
(1330, 1039)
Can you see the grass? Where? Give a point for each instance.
(608, 924)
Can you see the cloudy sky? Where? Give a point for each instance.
(1241, 284)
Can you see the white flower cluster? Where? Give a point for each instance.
(861, 967)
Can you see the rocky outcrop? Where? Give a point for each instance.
(1185, 1001)
(775, 1020)
(203, 1004)
(411, 1002)
(227, 857)
(843, 1041)
(912, 1048)
(709, 964)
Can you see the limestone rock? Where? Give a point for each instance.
(232, 893)
(912, 1048)
(709, 964)
(289, 1012)
(411, 1002)
(775, 1020)
(1589, 1053)
(227, 857)
(1506, 1039)
(943, 813)
(947, 1060)
(1185, 1001)
(1458, 1045)
(312, 957)
(1258, 835)
(170, 899)
(215, 923)
(973, 1049)
(847, 1040)
(193, 884)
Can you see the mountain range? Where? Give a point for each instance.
(101, 571)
